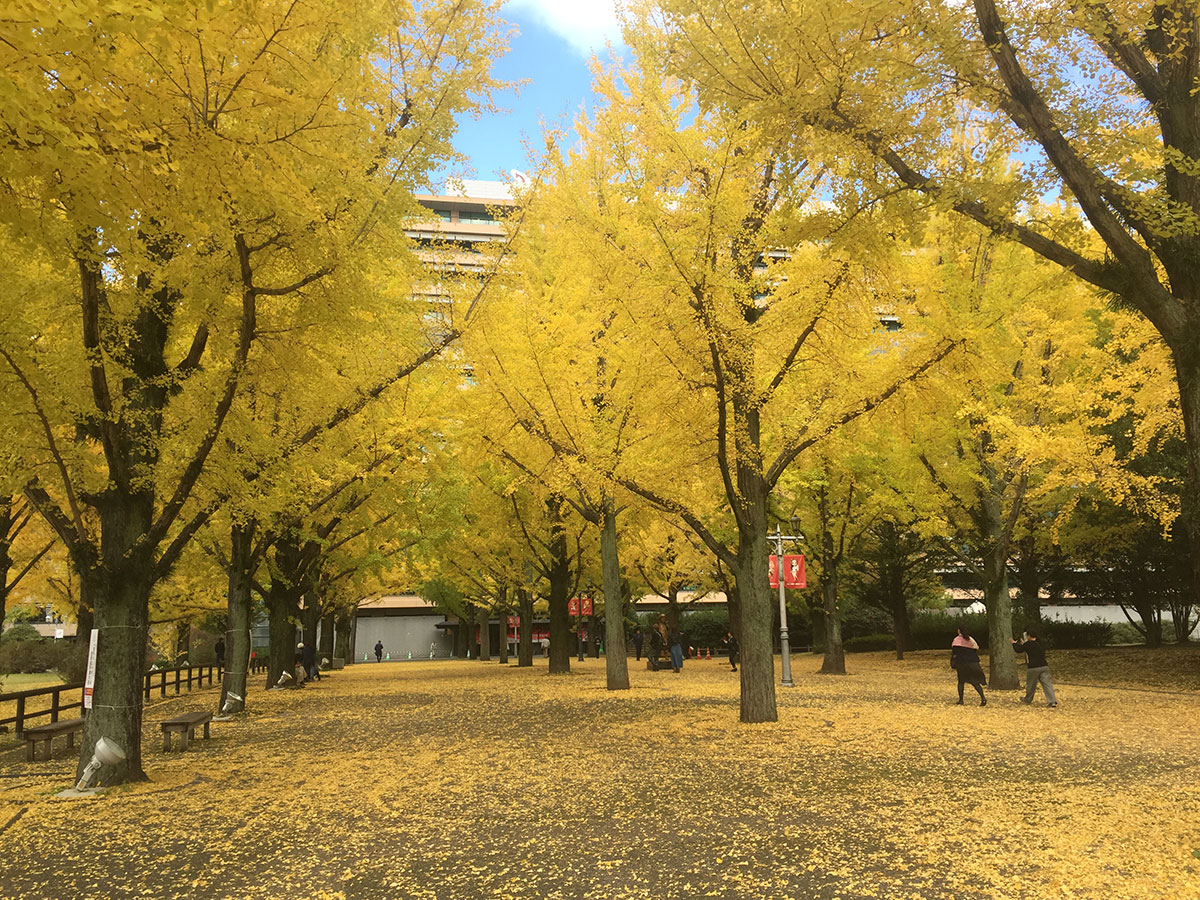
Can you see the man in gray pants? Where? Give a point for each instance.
(1036, 670)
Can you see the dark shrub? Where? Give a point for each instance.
(705, 627)
(1075, 635)
(935, 630)
(21, 631)
(867, 642)
(26, 657)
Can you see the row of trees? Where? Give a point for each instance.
(793, 266)
(208, 348)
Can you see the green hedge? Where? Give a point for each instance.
(65, 658)
(867, 642)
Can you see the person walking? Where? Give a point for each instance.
(675, 641)
(219, 651)
(379, 651)
(638, 638)
(658, 643)
(1036, 668)
(731, 643)
(964, 659)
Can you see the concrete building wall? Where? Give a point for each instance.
(401, 635)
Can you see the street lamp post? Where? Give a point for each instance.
(785, 648)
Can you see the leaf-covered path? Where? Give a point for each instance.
(449, 781)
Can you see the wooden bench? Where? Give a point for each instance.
(186, 725)
(47, 733)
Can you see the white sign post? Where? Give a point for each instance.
(89, 681)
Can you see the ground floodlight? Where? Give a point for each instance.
(284, 679)
(105, 753)
(230, 697)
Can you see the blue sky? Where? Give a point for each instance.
(551, 51)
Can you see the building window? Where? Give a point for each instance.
(475, 218)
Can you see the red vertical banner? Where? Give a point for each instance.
(794, 573)
(573, 606)
(587, 606)
(512, 625)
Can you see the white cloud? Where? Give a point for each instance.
(584, 24)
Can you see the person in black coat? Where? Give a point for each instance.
(219, 650)
(638, 638)
(379, 651)
(731, 643)
(657, 645)
(964, 659)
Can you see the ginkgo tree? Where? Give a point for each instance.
(1097, 99)
(765, 339)
(186, 171)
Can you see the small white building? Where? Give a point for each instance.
(405, 623)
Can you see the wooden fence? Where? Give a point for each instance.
(181, 677)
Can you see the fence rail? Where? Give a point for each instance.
(181, 677)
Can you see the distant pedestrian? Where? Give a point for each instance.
(219, 650)
(731, 644)
(964, 659)
(638, 638)
(1037, 669)
(379, 651)
(658, 643)
(545, 646)
(675, 639)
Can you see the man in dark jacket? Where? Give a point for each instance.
(1036, 669)
(638, 637)
(731, 642)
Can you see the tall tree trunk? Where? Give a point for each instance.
(485, 633)
(503, 630)
(283, 612)
(902, 628)
(310, 618)
(525, 635)
(891, 577)
(560, 587)
(757, 670)
(616, 666)
(462, 638)
(1187, 371)
(183, 643)
(325, 642)
(1150, 613)
(1029, 582)
(834, 662)
(237, 637)
(122, 619)
(342, 628)
(1002, 666)
(7, 525)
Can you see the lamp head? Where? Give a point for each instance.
(108, 753)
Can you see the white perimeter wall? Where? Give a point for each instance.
(401, 635)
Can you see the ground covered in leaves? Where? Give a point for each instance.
(456, 780)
